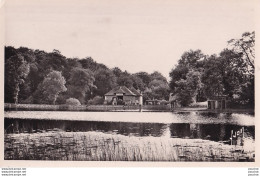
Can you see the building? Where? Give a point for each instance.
(123, 95)
(217, 102)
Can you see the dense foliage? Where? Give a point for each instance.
(35, 76)
(197, 77)
(73, 102)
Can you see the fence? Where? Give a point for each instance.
(41, 107)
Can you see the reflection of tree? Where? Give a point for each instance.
(139, 129)
(222, 132)
(166, 131)
(199, 134)
(180, 130)
(195, 131)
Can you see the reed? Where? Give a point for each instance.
(97, 146)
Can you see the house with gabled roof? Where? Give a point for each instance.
(124, 95)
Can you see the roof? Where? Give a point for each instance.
(123, 90)
(218, 97)
(136, 92)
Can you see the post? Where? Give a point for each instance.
(140, 108)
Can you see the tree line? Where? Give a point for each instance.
(39, 77)
(197, 76)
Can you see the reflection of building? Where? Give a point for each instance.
(217, 102)
(195, 130)
(123, 95)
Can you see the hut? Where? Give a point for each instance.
(217, 102)
(124, 95)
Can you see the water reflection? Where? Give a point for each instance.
(215, 132)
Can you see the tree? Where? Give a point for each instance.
(185, 80)
(159, 89)
(81, 81)
(16, 71)
(138, 83)
(71, 63)
(246, 47)
(186, 90)
(158, 76)
(105, 80)
(227, 74)
(233, 71)
(146, 78)
(190, 60)
(176, 74)
(97, 100)
(117, 71)
(125, 79)
(89, 63)
(212, 77)
(28, 87)
(48, 91)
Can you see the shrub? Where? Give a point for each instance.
(97, 100)
(73, 101)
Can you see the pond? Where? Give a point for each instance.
(204, 125)
(216, 127)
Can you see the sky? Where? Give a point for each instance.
(134, 35)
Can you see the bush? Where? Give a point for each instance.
(97, 100)
(73, 101)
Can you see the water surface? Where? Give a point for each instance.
(192, 125)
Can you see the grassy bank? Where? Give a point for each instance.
(229, 110)
(97, 146)
(119, 108)
(99, 108)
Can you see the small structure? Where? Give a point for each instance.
(217, 102)
(125, 96)
(173, 101)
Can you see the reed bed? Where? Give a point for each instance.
(97, 146)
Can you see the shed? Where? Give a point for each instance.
(217, 102)
(124, 95)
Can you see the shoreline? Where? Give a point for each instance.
(136, 117)
(119, 108)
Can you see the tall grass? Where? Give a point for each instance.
(97, 146)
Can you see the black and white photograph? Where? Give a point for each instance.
(129, 81)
